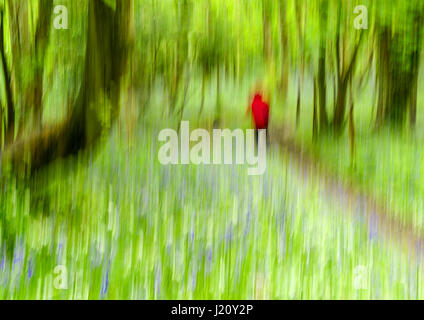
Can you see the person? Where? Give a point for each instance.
(260, 113)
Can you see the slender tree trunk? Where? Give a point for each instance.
(186, 86)
(413, 104)
(284, 80)
(315, 114)
(322, 84)
(301, 40)
(19, 46)
(352, 142)
(28, 58)
(266, 29)
(175, 81)
(383, 81)
(415, 68)
(344, 72)
(298, 103)
(340, 107)
(42, 35)
(1, 129)
(218, 98)
(202, 102)
(322, 87)
(10, 107)
(335, 90)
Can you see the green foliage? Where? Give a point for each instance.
(127, 227)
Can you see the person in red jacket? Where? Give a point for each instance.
(260, 113)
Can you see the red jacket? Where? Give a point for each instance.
(260, 112)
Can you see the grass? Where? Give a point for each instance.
(126, 227)
(388, 164)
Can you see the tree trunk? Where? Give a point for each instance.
(301, 40)
(344, 71)
(284, 80)
(340, 107)
(202, 102)
(105, 64)
(42, 35)
(398, 67)
(315, 114)
(28, 58)
(322, 87)
(266, 29)
(413, 104)
(10, 107)
(298, 104)
(415, 67)
(352, 142)
(218, 98)
(383, 81)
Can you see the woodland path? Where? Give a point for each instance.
(377, 216)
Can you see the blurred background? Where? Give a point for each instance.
(88, 212)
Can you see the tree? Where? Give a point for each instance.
(322, 88)
(266, 27)
(10, 107)
(110, 41)
(345, 65)
(285, 63)
(301, 26)
(398, 65)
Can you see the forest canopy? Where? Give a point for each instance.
(129, 47)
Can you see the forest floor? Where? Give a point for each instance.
(376, 214)
(299, 231)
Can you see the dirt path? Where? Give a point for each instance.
(379, 218)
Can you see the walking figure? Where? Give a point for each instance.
(260, 113)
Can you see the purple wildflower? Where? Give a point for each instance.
(105, 282)
(3, 261)
(157, 282)
(30, 271)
